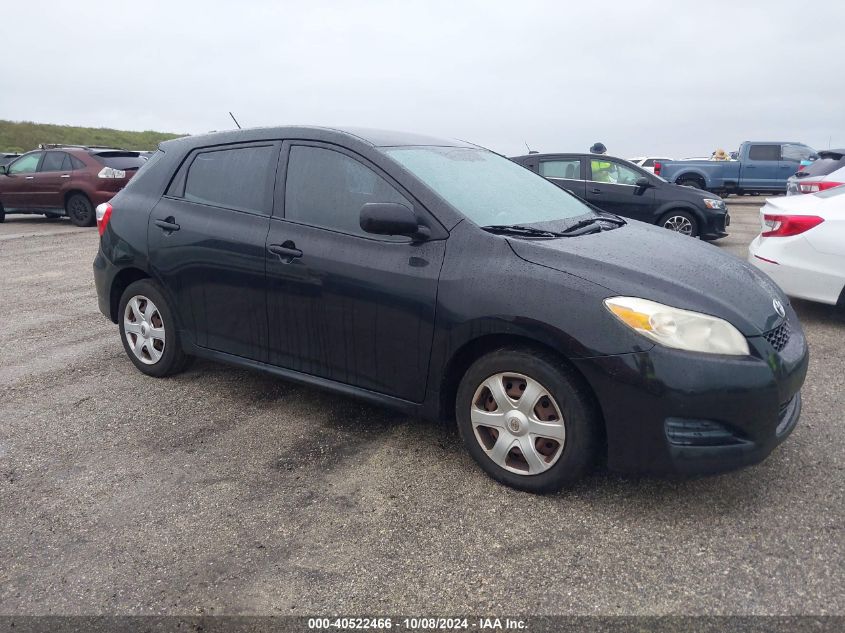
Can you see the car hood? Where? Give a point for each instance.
(641, 260)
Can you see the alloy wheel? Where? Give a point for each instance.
(79, 210)
(678, 223)
(144, 329)
(518, 423)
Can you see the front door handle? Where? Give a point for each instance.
(66, 176)
(30, 177)
(167, 224)
(595, 190)
(286, 250)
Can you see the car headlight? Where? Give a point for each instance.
(712, 203)
(681, 329)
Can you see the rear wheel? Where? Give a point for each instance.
(691, 182)
(80, 210)
(148, 330)
(527, 419)
(2, 213)
(682, 222)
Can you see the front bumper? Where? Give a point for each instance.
(668, 411)
(716, 226)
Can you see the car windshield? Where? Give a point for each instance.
(487, 188)
(823, 166)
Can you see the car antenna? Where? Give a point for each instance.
(530, 151)
(235, 120)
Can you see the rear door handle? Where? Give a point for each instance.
(286, 250)
(30, 177)
(167, 224)
(595, 190)
(66, 176)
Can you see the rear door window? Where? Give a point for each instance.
(764, 152)
(561, 168)
(55, 161)
(240, 178)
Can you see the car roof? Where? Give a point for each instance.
(368, 136)
(568, 154)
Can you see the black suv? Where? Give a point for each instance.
(444, 280)
(618, 186)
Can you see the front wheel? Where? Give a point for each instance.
(682, 222)
(2, 214)
(148, 330)
(527, 419)
(80, 210)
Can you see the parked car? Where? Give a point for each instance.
(7, 157)
(827, 172)
(760, 168)
(615, 185)
(442, 279)
(802, 245)
(65, 180)
(647, 162)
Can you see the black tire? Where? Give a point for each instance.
(2, 213)
(80, 210)
(573, 397)
(673, 219)
(173, 360)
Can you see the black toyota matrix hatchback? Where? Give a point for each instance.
(444, 280)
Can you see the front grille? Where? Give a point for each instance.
(779, 337)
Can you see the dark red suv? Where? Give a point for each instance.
(65, 180)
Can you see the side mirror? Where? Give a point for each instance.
(391, 218)
(642, 183)
(3, 170)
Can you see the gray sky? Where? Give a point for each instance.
(669, 77)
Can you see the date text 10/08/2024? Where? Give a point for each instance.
(423, 623)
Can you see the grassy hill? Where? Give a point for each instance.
(22, 136)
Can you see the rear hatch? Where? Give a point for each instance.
(816, 176)
(118, 167)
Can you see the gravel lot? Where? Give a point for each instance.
(225, 491)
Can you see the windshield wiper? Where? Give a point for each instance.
(518, 229)
(592, 225)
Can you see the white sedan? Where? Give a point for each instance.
(802, 245)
